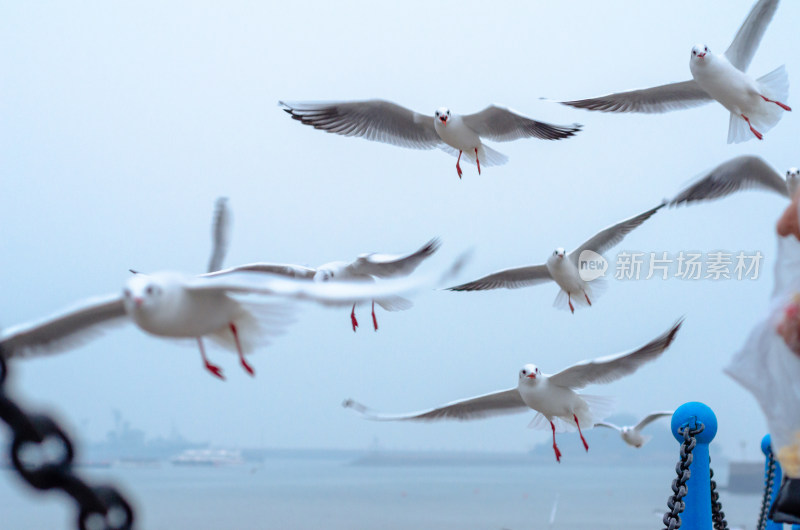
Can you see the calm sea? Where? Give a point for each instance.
(333, 494)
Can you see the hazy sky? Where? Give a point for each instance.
(122, 123)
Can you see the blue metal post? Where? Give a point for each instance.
(697, 515)
(766, 448)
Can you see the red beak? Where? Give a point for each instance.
(531, 376)
(701, 54)
(138, 301)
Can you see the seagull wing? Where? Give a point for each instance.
(503, 125)
(607, 425)
(747, 39)
(738, 173)
(613, 367)
(664, 98)
(62, 331)
(375, 119)
(650, 418)
(388, 265)
(280, 269)
(508, 279)
(487, 405)
(220, 234)
(608, 237)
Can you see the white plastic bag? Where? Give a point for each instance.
(769, 363)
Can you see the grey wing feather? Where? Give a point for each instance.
(507, 279)
(607, 425)
(377, 120)
(664, 98)
(608, 237)
(739, 173)
(389, 265)
(220, 234)
(62, 331)
(487, 405)
(747, 39)
(650, 418)
(613, 367)
(280, 269)
(503, 125)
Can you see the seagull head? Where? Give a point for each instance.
(559, 253)
(699, 52)
(529, 373)
(142, 291)
(443, 115)
(792, 175)
(323, 275)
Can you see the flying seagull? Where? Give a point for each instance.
(388, 122)
(755, 105)
(365, 268)
(632, 434)
(562, 267)
(742, 172)
(220, 234)
(553, 397)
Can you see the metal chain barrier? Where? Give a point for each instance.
(672, 519)
(42, 454)
(717, 515)
(767, 498)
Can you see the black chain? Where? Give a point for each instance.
(717, 515)
(42, 454)
(672, 519)
(767, 498)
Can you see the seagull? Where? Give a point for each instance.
(388, 122)
(741, 172)
(632, 434)
(175, 305)
(553, 397)
(562, 267)
(754, 104)
(365, 268)
(220, 234)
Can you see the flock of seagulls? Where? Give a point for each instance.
(239, 308)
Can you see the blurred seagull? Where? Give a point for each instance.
(632, 434)
(755, 104)
(553, 397)
(742, 172)
(173, 305)
(365, 268)
(220, 234)
(562, 267)
(384, 121)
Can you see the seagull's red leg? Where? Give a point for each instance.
(477, 161)
(585, 445)
(214, 369)
(374, 320)
(569, 301)
(458, 164)
(353, 318)
(778, 103)
(587, 298)
(758, 134)
(239, 349)
(555, 447)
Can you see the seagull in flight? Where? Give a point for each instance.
(552, 396)
(365, 268)
(755, 105)
(220, 234)
(632, 434)
(739, 173)
(562, 267)
(388, 122)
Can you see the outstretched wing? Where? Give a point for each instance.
(736, 174)
(613, 367)
(607, 425)
(388, 265)
(374, 119)
(507, 279)
(650, 418)
(608, 237)
(61, 331)
(280, 269)
(503, 125)
(747, 39)
(664, 98)
(487, 405)
(220, 234)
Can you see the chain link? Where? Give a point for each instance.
(42, 454)
(672, 519)
(767, 498)
(717, 515)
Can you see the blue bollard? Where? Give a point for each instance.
(766, 448)
(697, 515)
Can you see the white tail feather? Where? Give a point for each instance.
(255, 325)
(598, 408)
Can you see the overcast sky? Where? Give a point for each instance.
(123, 122)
